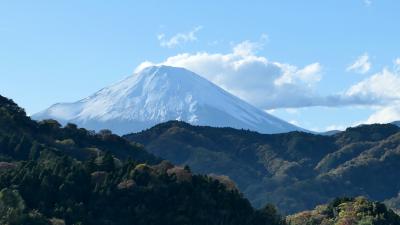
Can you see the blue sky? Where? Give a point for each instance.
(319, 64)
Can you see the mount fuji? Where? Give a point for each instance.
(158, 94)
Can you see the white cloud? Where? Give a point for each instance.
(246, 48)
(361, 65)
(379, 89)
(264, 83)
(270, 85)
(178, 38)
(385, 114)
(143, 65)
(367, 2)
(382, 92)
(310, 74)
(397, 65)
(397, 62)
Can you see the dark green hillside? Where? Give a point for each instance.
(66, 175)
(53, 175)
(60, 188)
(21, 138)
(295, 171)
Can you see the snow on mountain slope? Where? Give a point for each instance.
(158, 94)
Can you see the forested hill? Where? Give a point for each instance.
(66, 175)
(296, 170)
(22, 138)
(346, 211)
(53, 175)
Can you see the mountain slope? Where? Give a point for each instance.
(100, 187)
(296, 170)
(52, 175)
(159, 94)
(20, 137)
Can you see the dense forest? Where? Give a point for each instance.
(295, 171)
(67, 175)
(346, 211)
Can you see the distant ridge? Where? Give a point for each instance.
(295, 170)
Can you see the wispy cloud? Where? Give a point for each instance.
(367, 3)
(178, 38)
(249, 47)
(397, 61)
(397, 65)
(361, 65)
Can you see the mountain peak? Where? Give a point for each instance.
(168, 72)
(162, 69)
(161, 93)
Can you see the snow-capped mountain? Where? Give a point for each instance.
(162, 93)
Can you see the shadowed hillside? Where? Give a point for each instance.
(296, 170)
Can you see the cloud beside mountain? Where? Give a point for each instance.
(270, 84)
(264, 83)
